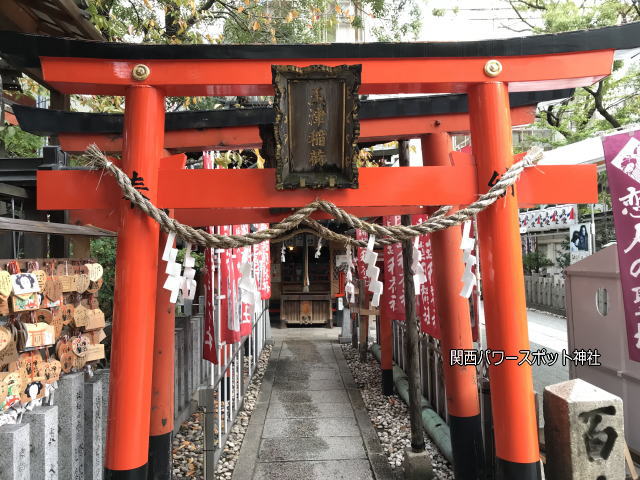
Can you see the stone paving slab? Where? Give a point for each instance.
(315, 470)
(309, 410)
(307, 385)
(309, 358)
(306, 369)
(311, 448)
(310, 374)
(291, 363)
(310, 427)
(310, 421)
(303, 373)
(315, 396)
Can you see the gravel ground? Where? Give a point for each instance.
(390, 415)
(189, 441)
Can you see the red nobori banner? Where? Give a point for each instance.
(230, 301)
(262, 264)
(393, 276)
(394, 281)
(360, 263)
(622, 158)
(243, 255)
(426, 297)
(209, 346)
(209, 342)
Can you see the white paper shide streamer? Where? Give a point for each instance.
(349, 288)
(373, 272)
(419, 276)
(249, 293)
(188, 282)
(466, 245)
(177, 280)
(318, 248)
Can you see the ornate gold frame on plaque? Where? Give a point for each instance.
(345, 173)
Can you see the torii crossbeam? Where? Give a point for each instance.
(380, 121)
(485, 71)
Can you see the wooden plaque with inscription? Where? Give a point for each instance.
(316, 126)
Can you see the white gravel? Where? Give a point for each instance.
(188, 443)
(390, 415)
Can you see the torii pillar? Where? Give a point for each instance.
(512, 404)
(162, 387)
(135, 290)
(463, 406)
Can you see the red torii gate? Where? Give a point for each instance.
(224, 70)
(434, 130)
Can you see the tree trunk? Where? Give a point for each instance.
(411, 321)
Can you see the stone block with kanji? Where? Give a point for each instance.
(584, 432)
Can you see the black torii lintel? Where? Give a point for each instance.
(45, 122)
(24, 50)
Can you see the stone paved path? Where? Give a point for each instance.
(310, 421)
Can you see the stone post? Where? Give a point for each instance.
(14, 445)
(267, 324)
(103, 374)
(93, 444)
(70, 400)
(584, 432)
(345, 334)
(196, 358)
(43, 422)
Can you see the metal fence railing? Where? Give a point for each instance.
(433, 386)
(229, 379)
(431, 368)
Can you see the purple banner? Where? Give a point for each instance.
(622, 157)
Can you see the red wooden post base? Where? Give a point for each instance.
(386, 345)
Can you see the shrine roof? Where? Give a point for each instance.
(42, 121)
(24, 50)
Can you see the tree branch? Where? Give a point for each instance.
(597, 97)
(520, 15)
(203, 8)
(552, 119)
(535, 6)
(144, 29)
